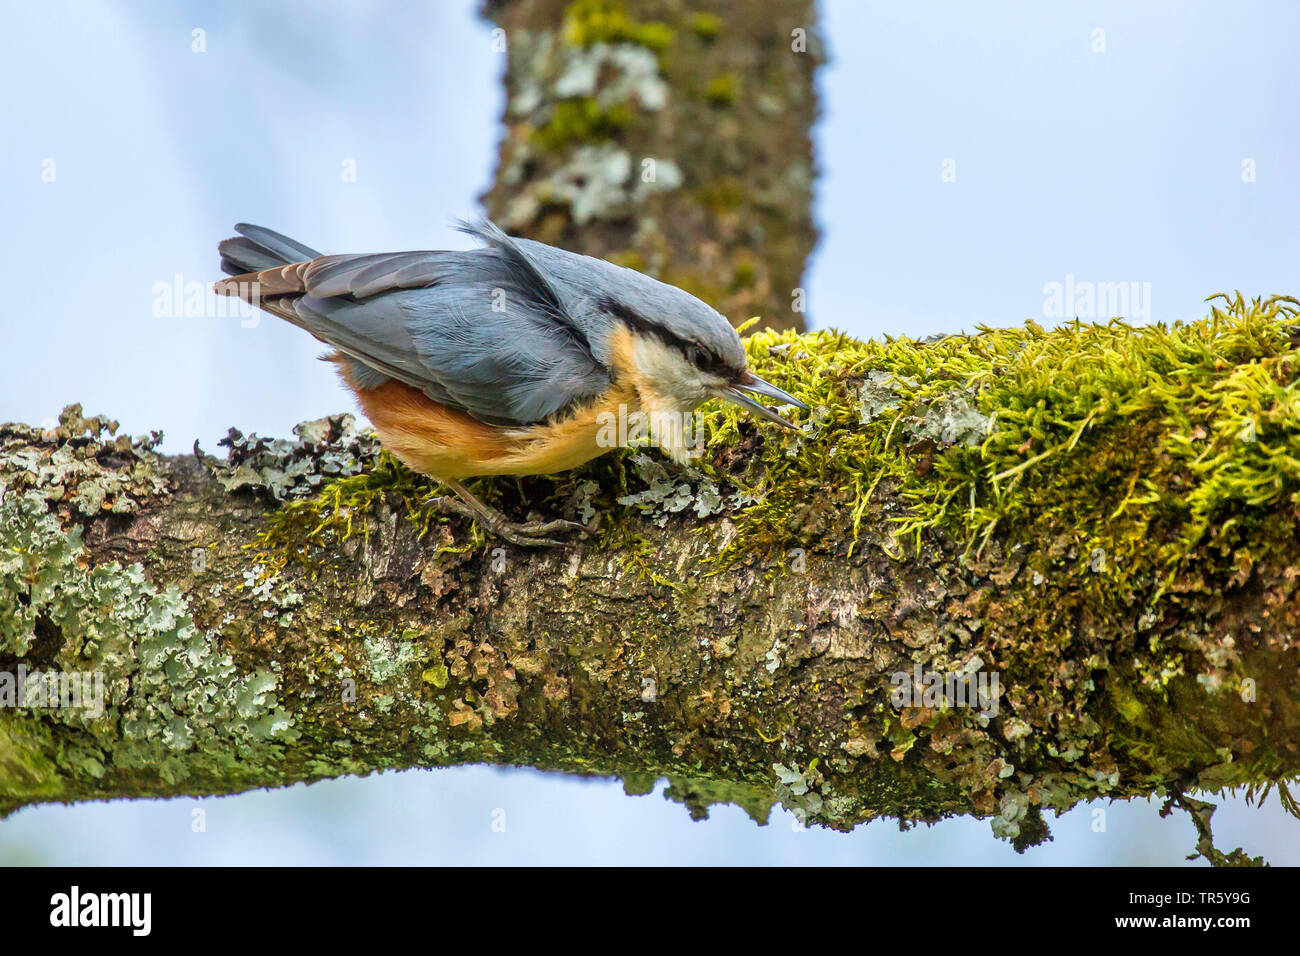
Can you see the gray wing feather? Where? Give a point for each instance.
(364, 276)
(482, 331)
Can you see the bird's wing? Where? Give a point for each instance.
(482, 331)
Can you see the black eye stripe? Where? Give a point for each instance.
(711, 362)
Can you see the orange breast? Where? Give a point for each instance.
(447, 443)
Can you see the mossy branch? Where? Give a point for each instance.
(1097, 525)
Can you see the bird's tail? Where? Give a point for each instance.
(262, 265)
(257, 248)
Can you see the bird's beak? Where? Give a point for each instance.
(750, 382)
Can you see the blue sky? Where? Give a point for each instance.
(969, 156)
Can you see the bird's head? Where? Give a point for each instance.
(686, 353)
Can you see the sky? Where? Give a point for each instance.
(973, 159)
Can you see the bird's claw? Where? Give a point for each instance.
(525, 534)
(529, 534)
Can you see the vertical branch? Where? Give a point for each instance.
(673, 139)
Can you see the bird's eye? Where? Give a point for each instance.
(698, 357)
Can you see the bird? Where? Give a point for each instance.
(500, 360)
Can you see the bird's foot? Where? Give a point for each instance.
(525, 534)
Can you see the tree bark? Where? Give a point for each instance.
(669, 137)
(294, 613)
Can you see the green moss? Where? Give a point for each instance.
(706, 26)
(985, 432)
(638, 556)
(344, 507)
(723, 89)
(699, 794)
(723, 195)
(746, 271)
(587, 22)
(582, 120)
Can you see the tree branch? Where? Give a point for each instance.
(1097, 524)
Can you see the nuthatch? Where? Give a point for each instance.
(502, 360)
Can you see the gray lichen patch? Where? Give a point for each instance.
(574, 100)
(389, 656)
(330, 447)
(877, 396)
(633, 75)
(683, 491)
(278, 596)
(952, 419)
(74, 463)
(172, 705)
(593, 183)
